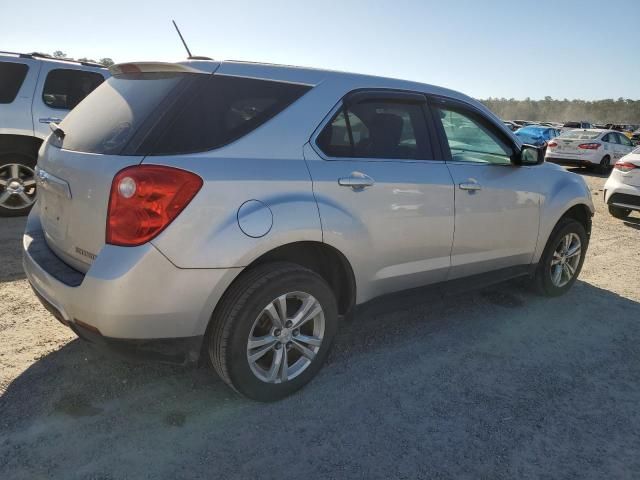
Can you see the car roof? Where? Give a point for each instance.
(48, 58)
(305, 75)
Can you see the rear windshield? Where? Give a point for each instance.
(572, 125)
(11, 77)
(173, 113)
(581, 135)
(531, 130)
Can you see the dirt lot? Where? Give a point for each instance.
(499, 383)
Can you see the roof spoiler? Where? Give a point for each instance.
(153, 67)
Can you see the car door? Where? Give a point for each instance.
(497, 203)
(59, 89)
(612, 147)
(626, 146)
(383, 199)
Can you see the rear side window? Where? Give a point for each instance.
(11, 77)
(377, 129)
(65, 88)
(219, 110)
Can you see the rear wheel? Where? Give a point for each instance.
(273, 330)
(619, 212)
(605, 165)
(562, 258)
(17, 184)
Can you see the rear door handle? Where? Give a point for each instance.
(471, 186)
(50, 120)
(357, 181)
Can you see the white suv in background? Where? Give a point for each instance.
(35, 90)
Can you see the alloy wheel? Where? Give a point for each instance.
(17, 186)
(285, 337)
(565, 260)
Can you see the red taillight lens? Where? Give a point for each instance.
(552, 144)
(624, 166)
(589, 146)
(145, 199)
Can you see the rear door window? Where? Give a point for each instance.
(11, 77)
(613, 138)
(624, 140)
(377, 129)
(65, 88)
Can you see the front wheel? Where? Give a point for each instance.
(562, 259)
(619, 212)
(273, 330)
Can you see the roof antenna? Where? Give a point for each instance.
(182, 38)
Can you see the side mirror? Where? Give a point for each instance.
(529, 155)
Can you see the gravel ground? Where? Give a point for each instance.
(498, 383)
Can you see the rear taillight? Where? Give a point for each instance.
(589, 146)
(552, 144)
(145, 199)
(624, 166)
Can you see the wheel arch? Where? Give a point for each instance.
(24, 144)
(321, 258)
(578, 210)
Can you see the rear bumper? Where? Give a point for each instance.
(574, 162)
(621, 195)
(130, 297)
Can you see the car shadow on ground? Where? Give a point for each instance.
(11, 249)
(524, 385)
(588, 172)
(632, 222)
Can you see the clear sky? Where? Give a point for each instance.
(502, 48)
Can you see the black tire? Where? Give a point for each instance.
(619, 212)
(605, 165)
(543, 275)
(11, 206)
(241, 306)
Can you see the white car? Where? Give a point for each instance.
(589, 148)
(35, 91)
(622, 190)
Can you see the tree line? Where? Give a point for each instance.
(622, 110)
(106, 61)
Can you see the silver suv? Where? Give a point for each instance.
(236, 211)
(35, 91)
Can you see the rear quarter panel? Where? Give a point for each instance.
(207, 233)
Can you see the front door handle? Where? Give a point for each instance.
(50, 120)
(470, 186)
(357, 181)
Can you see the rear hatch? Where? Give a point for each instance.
(568, 142)
(109, 130)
